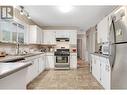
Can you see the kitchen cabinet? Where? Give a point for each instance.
(21, 33)
(96, 68)
(73, 37)
(38, 66)
(62, 34)
(49, 37)
(22, 30)
(14, 81)
(49, 60)
(13, 31)
(41, 63)
(30, 75)
(103, 30)
(35, 68)
(105, 73)
(73, 60)
(5, 31)
(35, 35)
(101, 70)
(32, 71)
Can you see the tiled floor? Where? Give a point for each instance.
(66, 79)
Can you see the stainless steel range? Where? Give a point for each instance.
(62, 59)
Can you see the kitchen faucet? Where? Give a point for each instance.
(17, 49)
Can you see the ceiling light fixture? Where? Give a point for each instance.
(24, 12)
(65, 9)
(28, 16)
(22, 9)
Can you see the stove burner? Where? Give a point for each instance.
(62, 52)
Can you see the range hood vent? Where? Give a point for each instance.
(62, 39)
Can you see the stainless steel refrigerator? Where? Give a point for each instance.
(118, 50)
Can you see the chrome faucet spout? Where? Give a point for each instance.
(17, 49)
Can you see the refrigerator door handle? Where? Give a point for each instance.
(112, 46)
(112, 54)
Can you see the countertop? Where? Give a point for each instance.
(18, 57)
(10, 58)
(102, 55)
(9, 68)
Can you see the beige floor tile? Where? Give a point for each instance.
(66, 79)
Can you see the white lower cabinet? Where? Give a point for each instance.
(101, 70)
(105, 73)
(41, 65)
(96, 68)
(32, 70)
(73, 61)
(30, 76)
(38, 66)
(49, 61)
(14, 81)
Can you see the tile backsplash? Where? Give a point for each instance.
(11, 48)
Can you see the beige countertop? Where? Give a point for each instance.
(9, 68)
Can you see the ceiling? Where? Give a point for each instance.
(82, 17)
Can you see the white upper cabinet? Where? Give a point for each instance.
(73, 37)
(13, 31)
(5, 31)
(35, 35)
(49, 37)
(62, 34)
(103, 30)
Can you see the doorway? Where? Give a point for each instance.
(79, 48)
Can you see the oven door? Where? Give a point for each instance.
(62, 62)
(62, 59)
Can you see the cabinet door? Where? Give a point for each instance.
(73, 62)
(42, 37)
(73, 37)
(5, 32)
(49, 37)
(105, 74)
(49, 61)
(96, 68)
(41, 64)
(93, 66)
(35, 68)
(32, 35)
(62, 33)
(39, 35)
(14, 32)
(30, 75)
(103, 30)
